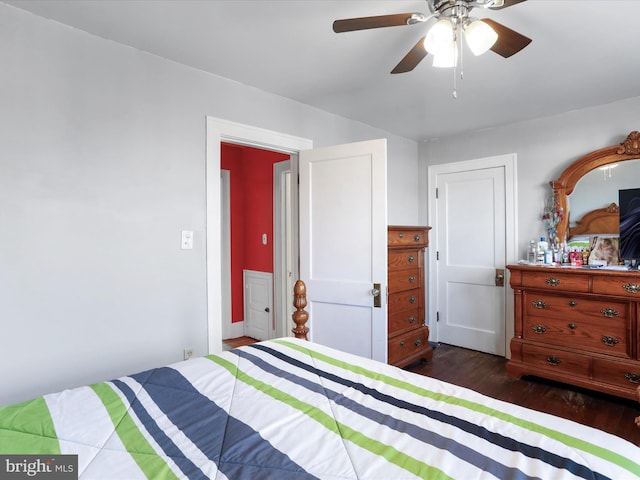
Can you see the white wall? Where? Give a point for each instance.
(545, 147)
(102, 164)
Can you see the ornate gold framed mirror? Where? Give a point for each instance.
(565, 184)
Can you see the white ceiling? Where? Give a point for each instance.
(584, 53)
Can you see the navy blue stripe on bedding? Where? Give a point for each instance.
(426, 436)
(476, 430)
(232, 445)
(171, 449)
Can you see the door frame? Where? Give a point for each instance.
(509, 163)
(283, 207)
(219, 131)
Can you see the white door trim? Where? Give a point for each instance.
(283, 248)
(218, 131)
(509, 163)
(225, 257)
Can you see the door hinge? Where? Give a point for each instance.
(437, 255)
(437, 316)
(436, 193)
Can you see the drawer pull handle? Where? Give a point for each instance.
(609, 312)
(632, 377)
(631, 287)
(572, 326)
(412, 319)
(418, 342)
(572, 303)
(553, 361)
(609, 341)
(412, 299)
(552, 282)
(539, 329)
(416, 238)
(539, 304)
(401, 235)
(412, 259)
(412, 279)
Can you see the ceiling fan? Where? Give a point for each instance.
(441, 40)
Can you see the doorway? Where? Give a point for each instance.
(472, 208)
(256, 237)
(217, 132)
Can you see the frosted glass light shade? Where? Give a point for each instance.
(479, 36)
(439, 37)
(448, 58)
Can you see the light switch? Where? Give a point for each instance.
(187, 240)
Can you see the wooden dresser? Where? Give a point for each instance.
(408, 335)
(577, 326)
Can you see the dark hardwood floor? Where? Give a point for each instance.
(485, 373)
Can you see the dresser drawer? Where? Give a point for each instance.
(404, 321)
(616, 373)
(597, 325)
(550, 279)
(609, 337)
(405, 280)
(619, 286)
(569, 307)
(407, 300)
(404, 259)
(557, 360)
(407, 344)
(407, 236)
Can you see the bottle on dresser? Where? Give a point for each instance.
(532, 252)
(543, 246)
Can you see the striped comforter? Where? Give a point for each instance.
(289, 409)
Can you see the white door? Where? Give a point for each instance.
(258, 304)
(470, 250)
(343, 245)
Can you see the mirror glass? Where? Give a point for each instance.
(599, 188)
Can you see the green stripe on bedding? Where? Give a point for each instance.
(578, 443)
(27, 428)
(390, 453)
(153, 466)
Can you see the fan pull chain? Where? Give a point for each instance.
(457, 40)
(455, 78)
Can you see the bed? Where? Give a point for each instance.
(292, 409)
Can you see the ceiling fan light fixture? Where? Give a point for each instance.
(448, 58)
(479, 36)
(440, 38)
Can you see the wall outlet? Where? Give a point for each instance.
(186, 242)
(188, 353)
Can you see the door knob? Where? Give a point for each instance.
(267, 309)
(377, 298)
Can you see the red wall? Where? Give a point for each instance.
(251, 173)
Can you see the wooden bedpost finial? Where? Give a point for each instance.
(300, 316)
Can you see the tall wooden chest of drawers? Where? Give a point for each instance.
(408, 336)
(577, 326)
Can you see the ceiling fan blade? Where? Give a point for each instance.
(509, 41)
(411, 59)
(507, 3)
(364, 23)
